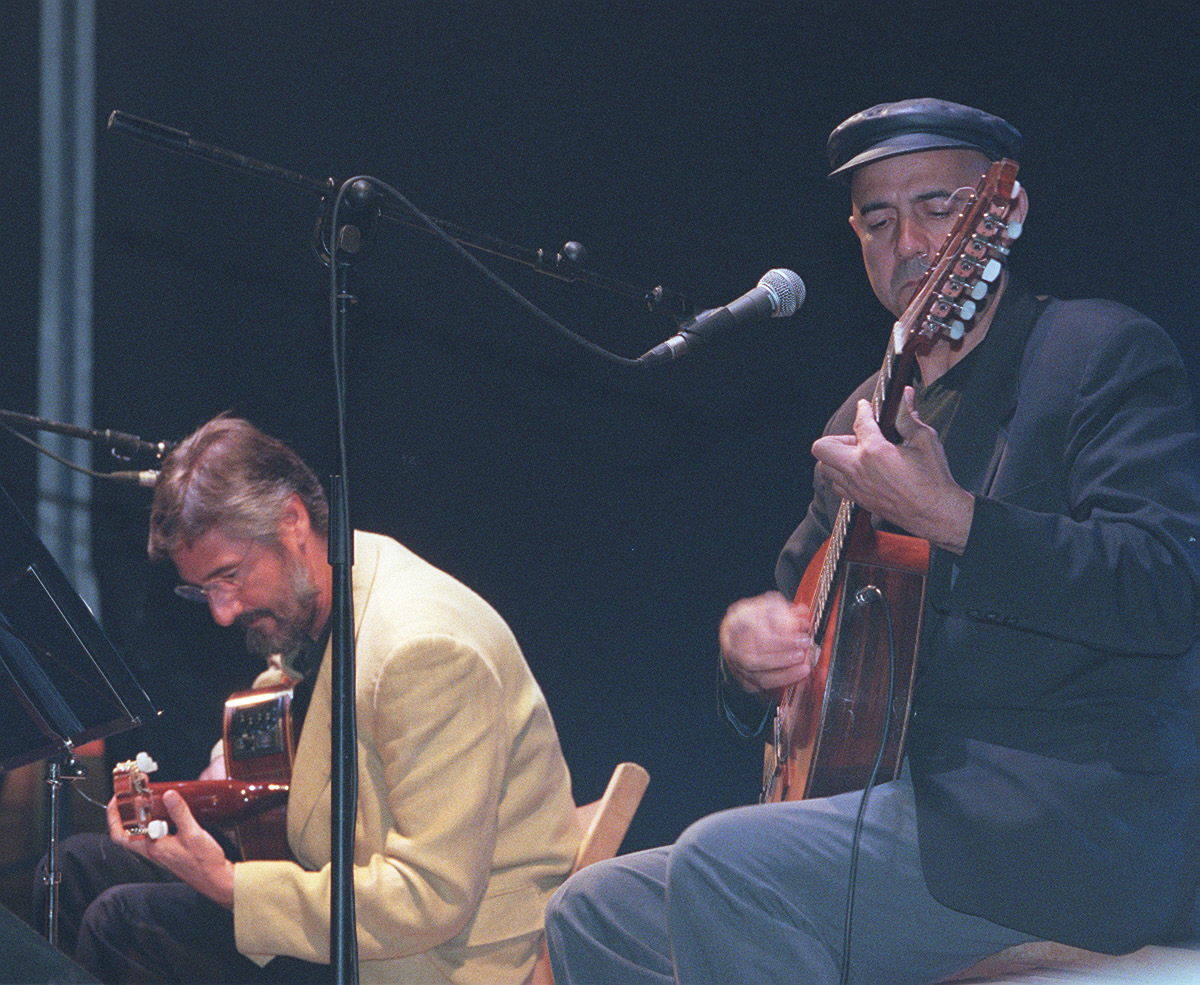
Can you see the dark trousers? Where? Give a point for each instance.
(125, 919)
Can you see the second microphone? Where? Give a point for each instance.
(778, 294)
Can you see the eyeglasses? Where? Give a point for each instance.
(219, 590)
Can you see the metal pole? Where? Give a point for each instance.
(67, 137)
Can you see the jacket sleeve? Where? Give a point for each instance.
(1101, 548)
(434, 744)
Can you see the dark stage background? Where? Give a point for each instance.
(610, 520)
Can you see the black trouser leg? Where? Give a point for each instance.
(89, 864)
(127, 920)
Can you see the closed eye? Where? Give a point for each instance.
(938, 208)
(228, 574)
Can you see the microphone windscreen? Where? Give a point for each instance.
(785, 286)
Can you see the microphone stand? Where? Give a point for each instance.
(344, 247)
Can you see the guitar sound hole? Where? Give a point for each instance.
(256, 731)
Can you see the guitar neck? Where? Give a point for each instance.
(897, 372)
(214, 803)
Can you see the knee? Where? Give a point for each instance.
(608, 897)
(721, 839)
(576, 898)
(108, 915)
(77, 850)
(106, 935)
(710, 830)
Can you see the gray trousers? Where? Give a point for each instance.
(757, 896)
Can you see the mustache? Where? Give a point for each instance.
(907, 270)
(244, 620)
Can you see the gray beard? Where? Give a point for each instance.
(290, 632)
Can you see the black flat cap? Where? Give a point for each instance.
(912, 125)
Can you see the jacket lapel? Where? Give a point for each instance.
(311, 773)
(976, 442)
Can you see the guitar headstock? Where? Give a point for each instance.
(968, 262)
(135, 802)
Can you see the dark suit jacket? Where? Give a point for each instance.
(1053, 745)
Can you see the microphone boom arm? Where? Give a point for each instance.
(562, 265)
(121, 445)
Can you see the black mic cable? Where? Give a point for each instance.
(778, 294)
(868, 595)
(143, 477)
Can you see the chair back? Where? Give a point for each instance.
(602, 827)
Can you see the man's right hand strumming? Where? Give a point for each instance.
(766, 642)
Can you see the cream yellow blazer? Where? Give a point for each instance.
(465, 819)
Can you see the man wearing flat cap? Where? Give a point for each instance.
(1049, 455)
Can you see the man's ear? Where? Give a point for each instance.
(294, 522)
(1021, 209)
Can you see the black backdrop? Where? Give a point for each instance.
(609, 521)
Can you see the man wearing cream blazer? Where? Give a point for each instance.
(465, 821)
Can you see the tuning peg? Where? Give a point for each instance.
(1013, 229)
(957, 330)
(991, 270)
(975, 290)
(156, 829)
(1016, 189)
(965, 307)
(145, 762)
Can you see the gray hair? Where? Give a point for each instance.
(229, 474)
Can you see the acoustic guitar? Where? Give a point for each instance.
(251, 805)
(828, 729)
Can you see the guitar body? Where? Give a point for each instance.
(828, 729)
(252, 803)
(260, 748)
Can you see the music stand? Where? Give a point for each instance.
(62, 682)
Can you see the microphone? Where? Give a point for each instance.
(778, 294)
(145, 477)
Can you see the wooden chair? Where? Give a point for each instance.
(602, 827)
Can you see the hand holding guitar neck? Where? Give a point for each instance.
(191, 853)
(215, 803)
(251, 803)
(908, 484)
